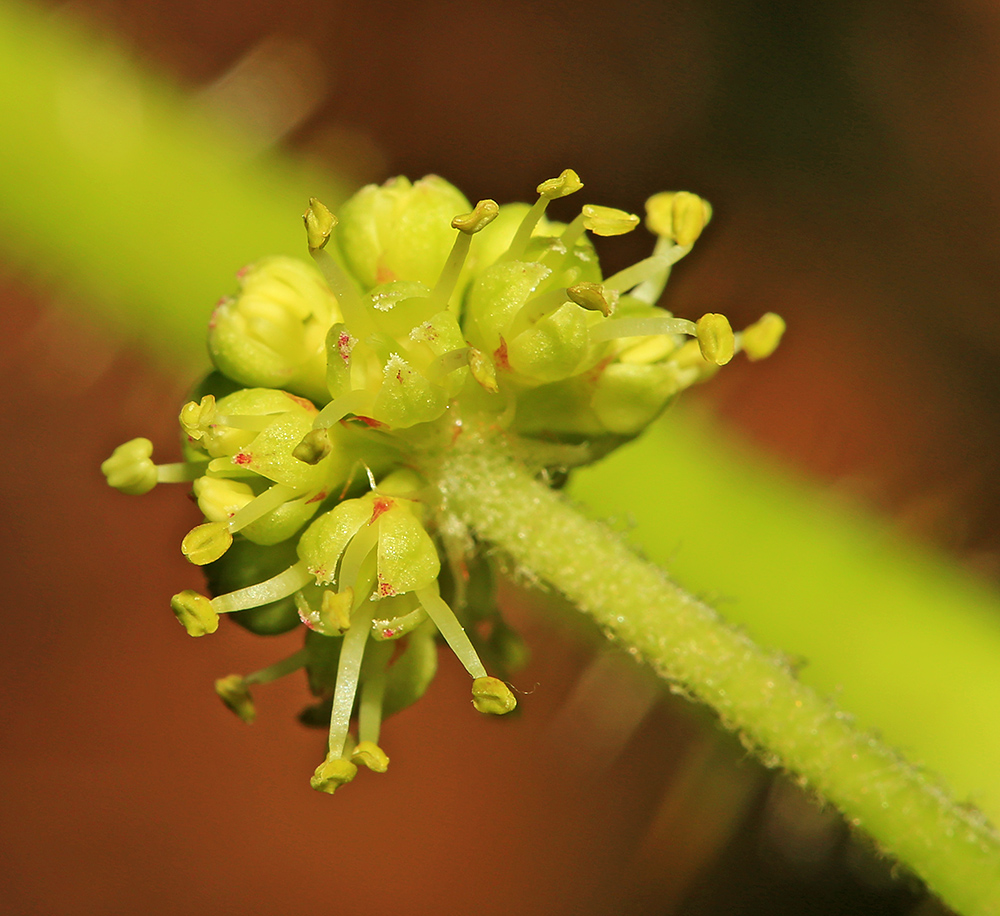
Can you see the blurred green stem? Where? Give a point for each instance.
(789, 725)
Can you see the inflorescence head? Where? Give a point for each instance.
(311, 451)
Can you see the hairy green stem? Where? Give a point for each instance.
(912, 817)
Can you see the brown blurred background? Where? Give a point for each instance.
(851, 151)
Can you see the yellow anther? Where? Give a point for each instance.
(335, 608)
(593, 297)
(333, 773)
(483, 370)
(220, 499)
(233, 691)
(369, 754)
(608, 220)
(196, 417)
(206, 543)
(314, 447)
(567, 183)
(130, 468)
(715, 338)
(319, 224)
(484, 213)
(492, 696)
(761, 339)
(678, 215)
(195, 613)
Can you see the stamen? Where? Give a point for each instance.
(372, 693)
(567, 183)
(319, 224)
(258, 507)
(447, 362)
(649, 269)
(447, 623)
(715, 338)
(467, 224)
(280, 586)
(279, 669)
(641, 327)
(314, 447)
(357, 402)
(594, 297)
(762, 337)
(358, 550)
(534, 310)
(180, 472)
(348, 669)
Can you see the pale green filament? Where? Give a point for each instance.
(348, 669)
(279, 669)
(447, 623)
(179, 472)
(642, 327)
(362, 544)
(519, 243)
(279, 586)
(567, 242)
(258, 507)
(254, 423)
(649, 291)
(447, 362)
(352, 306)
(373, 691)
(357, 402)
(535, 309)
(652, 270)
(445, 285)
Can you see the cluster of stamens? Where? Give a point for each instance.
(311, 449)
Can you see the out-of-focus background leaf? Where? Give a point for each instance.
(850, 151)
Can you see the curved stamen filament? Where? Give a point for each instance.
(356, 402)
(447, 362)
(348, 670)
(273, 589)
(362, 544)
(649, 291)
(649, 269)
(534, 310)
(279, 669)
(567, 242)
(352, 306)
(259, 506)
(447, 623)
(641, 327)
(523, 235)
(373, 691)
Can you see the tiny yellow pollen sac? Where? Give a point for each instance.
(130, 468)
(715, 338)
(677, 215)
(492, 696)
(567, 183)
(761, 339)
(206, 543)
(483, 370)
(333, 773)
(233, 691)
(608, 221)
(335, 609)
(369, 754)
(484, 213)
(195, 613)
(314, 447)
(593, 297)
(319, 224)
(195, 417)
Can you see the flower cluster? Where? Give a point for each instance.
(311, 450)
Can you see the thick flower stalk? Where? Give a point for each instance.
(315, 449)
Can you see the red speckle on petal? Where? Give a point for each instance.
(368, 421)
(500, 356)
(385, 590)
(319, 497)
(387, 633)
(344, 346)
(243, 271)
(382, 504)
(242, 458)
(302, 402)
